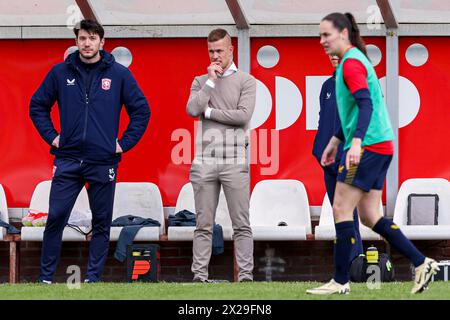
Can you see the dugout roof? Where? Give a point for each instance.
(221, 12)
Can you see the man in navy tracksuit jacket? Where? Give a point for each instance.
(90, 88)
(329, 124)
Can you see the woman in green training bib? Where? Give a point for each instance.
(368, 150)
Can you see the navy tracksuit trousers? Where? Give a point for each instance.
(330, 174)
(70, 176)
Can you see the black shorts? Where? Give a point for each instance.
(369, 174)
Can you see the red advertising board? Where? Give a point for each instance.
(287, 107)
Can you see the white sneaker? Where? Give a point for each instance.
(331, 287)
(423, 275)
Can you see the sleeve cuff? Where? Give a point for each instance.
(210, 83)
(208, 113)
(359, 135)
(122, 146)
(53, 137)
(340, 135)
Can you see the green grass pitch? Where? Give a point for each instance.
(215, 291)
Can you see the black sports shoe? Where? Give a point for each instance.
(44, 281)
(89, 281)
(208, 280)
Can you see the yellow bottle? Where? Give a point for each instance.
(372, 255)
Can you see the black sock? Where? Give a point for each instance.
(392, 233)
(343, 246)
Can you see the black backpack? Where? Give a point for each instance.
(359, 271)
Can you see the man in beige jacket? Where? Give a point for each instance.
(224, 99)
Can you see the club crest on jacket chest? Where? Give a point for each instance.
(106, 84)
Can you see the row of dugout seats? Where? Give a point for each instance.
(441, 231)
(279, 210)
(273, 202)
(139, 199)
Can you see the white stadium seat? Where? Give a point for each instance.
(3, 211)
(326, 229)
(438, 186)
(185, 201)
(40, 202)
(142, 199)
(275, 202)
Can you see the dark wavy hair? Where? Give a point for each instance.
(91, 26)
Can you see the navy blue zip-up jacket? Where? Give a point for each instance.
(329, 122)
(90, 118)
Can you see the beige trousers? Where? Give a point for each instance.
(206, 179)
